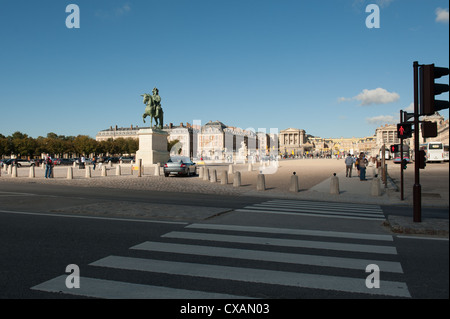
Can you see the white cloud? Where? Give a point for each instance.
(117, 12)
(442, 15)
(384, 3)
(410, 108)
(376, 96)
(381, 120)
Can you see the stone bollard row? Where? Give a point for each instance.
(213, 177)
(224, 178)
(376, 186)
(261, 183)
(237, 179)
(334, 185)
(206, 174)
(294, 183)
(70, 173)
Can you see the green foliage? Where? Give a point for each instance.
(22, 145)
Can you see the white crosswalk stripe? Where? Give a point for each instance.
(317, 209)
(322, 260)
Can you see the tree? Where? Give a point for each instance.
(5, 146)
(84, 144)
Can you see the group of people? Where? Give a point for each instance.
(360, 163)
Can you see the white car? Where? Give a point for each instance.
(24, 163)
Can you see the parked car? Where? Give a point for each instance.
(180, 165)
(23, 162)
(112, 159)
(127, 159)
(66, 161)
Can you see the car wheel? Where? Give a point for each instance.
(166, 174)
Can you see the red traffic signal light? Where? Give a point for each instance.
(404, 130)
(428, 89)
(394, 148)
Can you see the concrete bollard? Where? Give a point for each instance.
(32, 172)
(88, 172)
(200, 172)
(294, 183)
(334, 185)
(104, 171)
(237, 179)
(376, 186)
(213, 178)
(110, 164)
(10, 169)
(118, 170)
(250, 167)
(14, 171)
(261, 183)
(206, 174)
(230, 169)
(70, 173)
(224, 178)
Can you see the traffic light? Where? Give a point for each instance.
(428, 89)
(422, 159)
(429, 129)
(394, 148)
(404, 130)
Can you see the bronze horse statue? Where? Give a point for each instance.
(153, 109)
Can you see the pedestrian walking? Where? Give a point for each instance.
(94, 162)
(362, 167)
(348, 165)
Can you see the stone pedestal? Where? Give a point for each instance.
(152, 147)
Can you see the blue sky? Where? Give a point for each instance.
(312, 65)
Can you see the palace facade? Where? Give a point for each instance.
(217, 141)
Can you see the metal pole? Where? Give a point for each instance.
(140, 168)
(417, 189)
(401, 166)
(383, 161)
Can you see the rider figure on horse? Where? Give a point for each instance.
(153, 108)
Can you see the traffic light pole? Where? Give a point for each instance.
(417, 189)
(401, 161)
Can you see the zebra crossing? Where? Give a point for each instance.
(214, 261)
(317, 209)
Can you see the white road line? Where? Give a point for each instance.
(107, 289)
(300, 280)
(420, 237)
(310, 214)
(325, 206)
(335, 204)
(93, 217)
(284, 242)
(300, 259)
(314, 210)
(290, 231)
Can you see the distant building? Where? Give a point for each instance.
(215, 140)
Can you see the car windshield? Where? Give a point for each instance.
(178, 159)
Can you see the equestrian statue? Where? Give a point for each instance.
(153, 109)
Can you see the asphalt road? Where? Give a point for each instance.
(44, 229)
